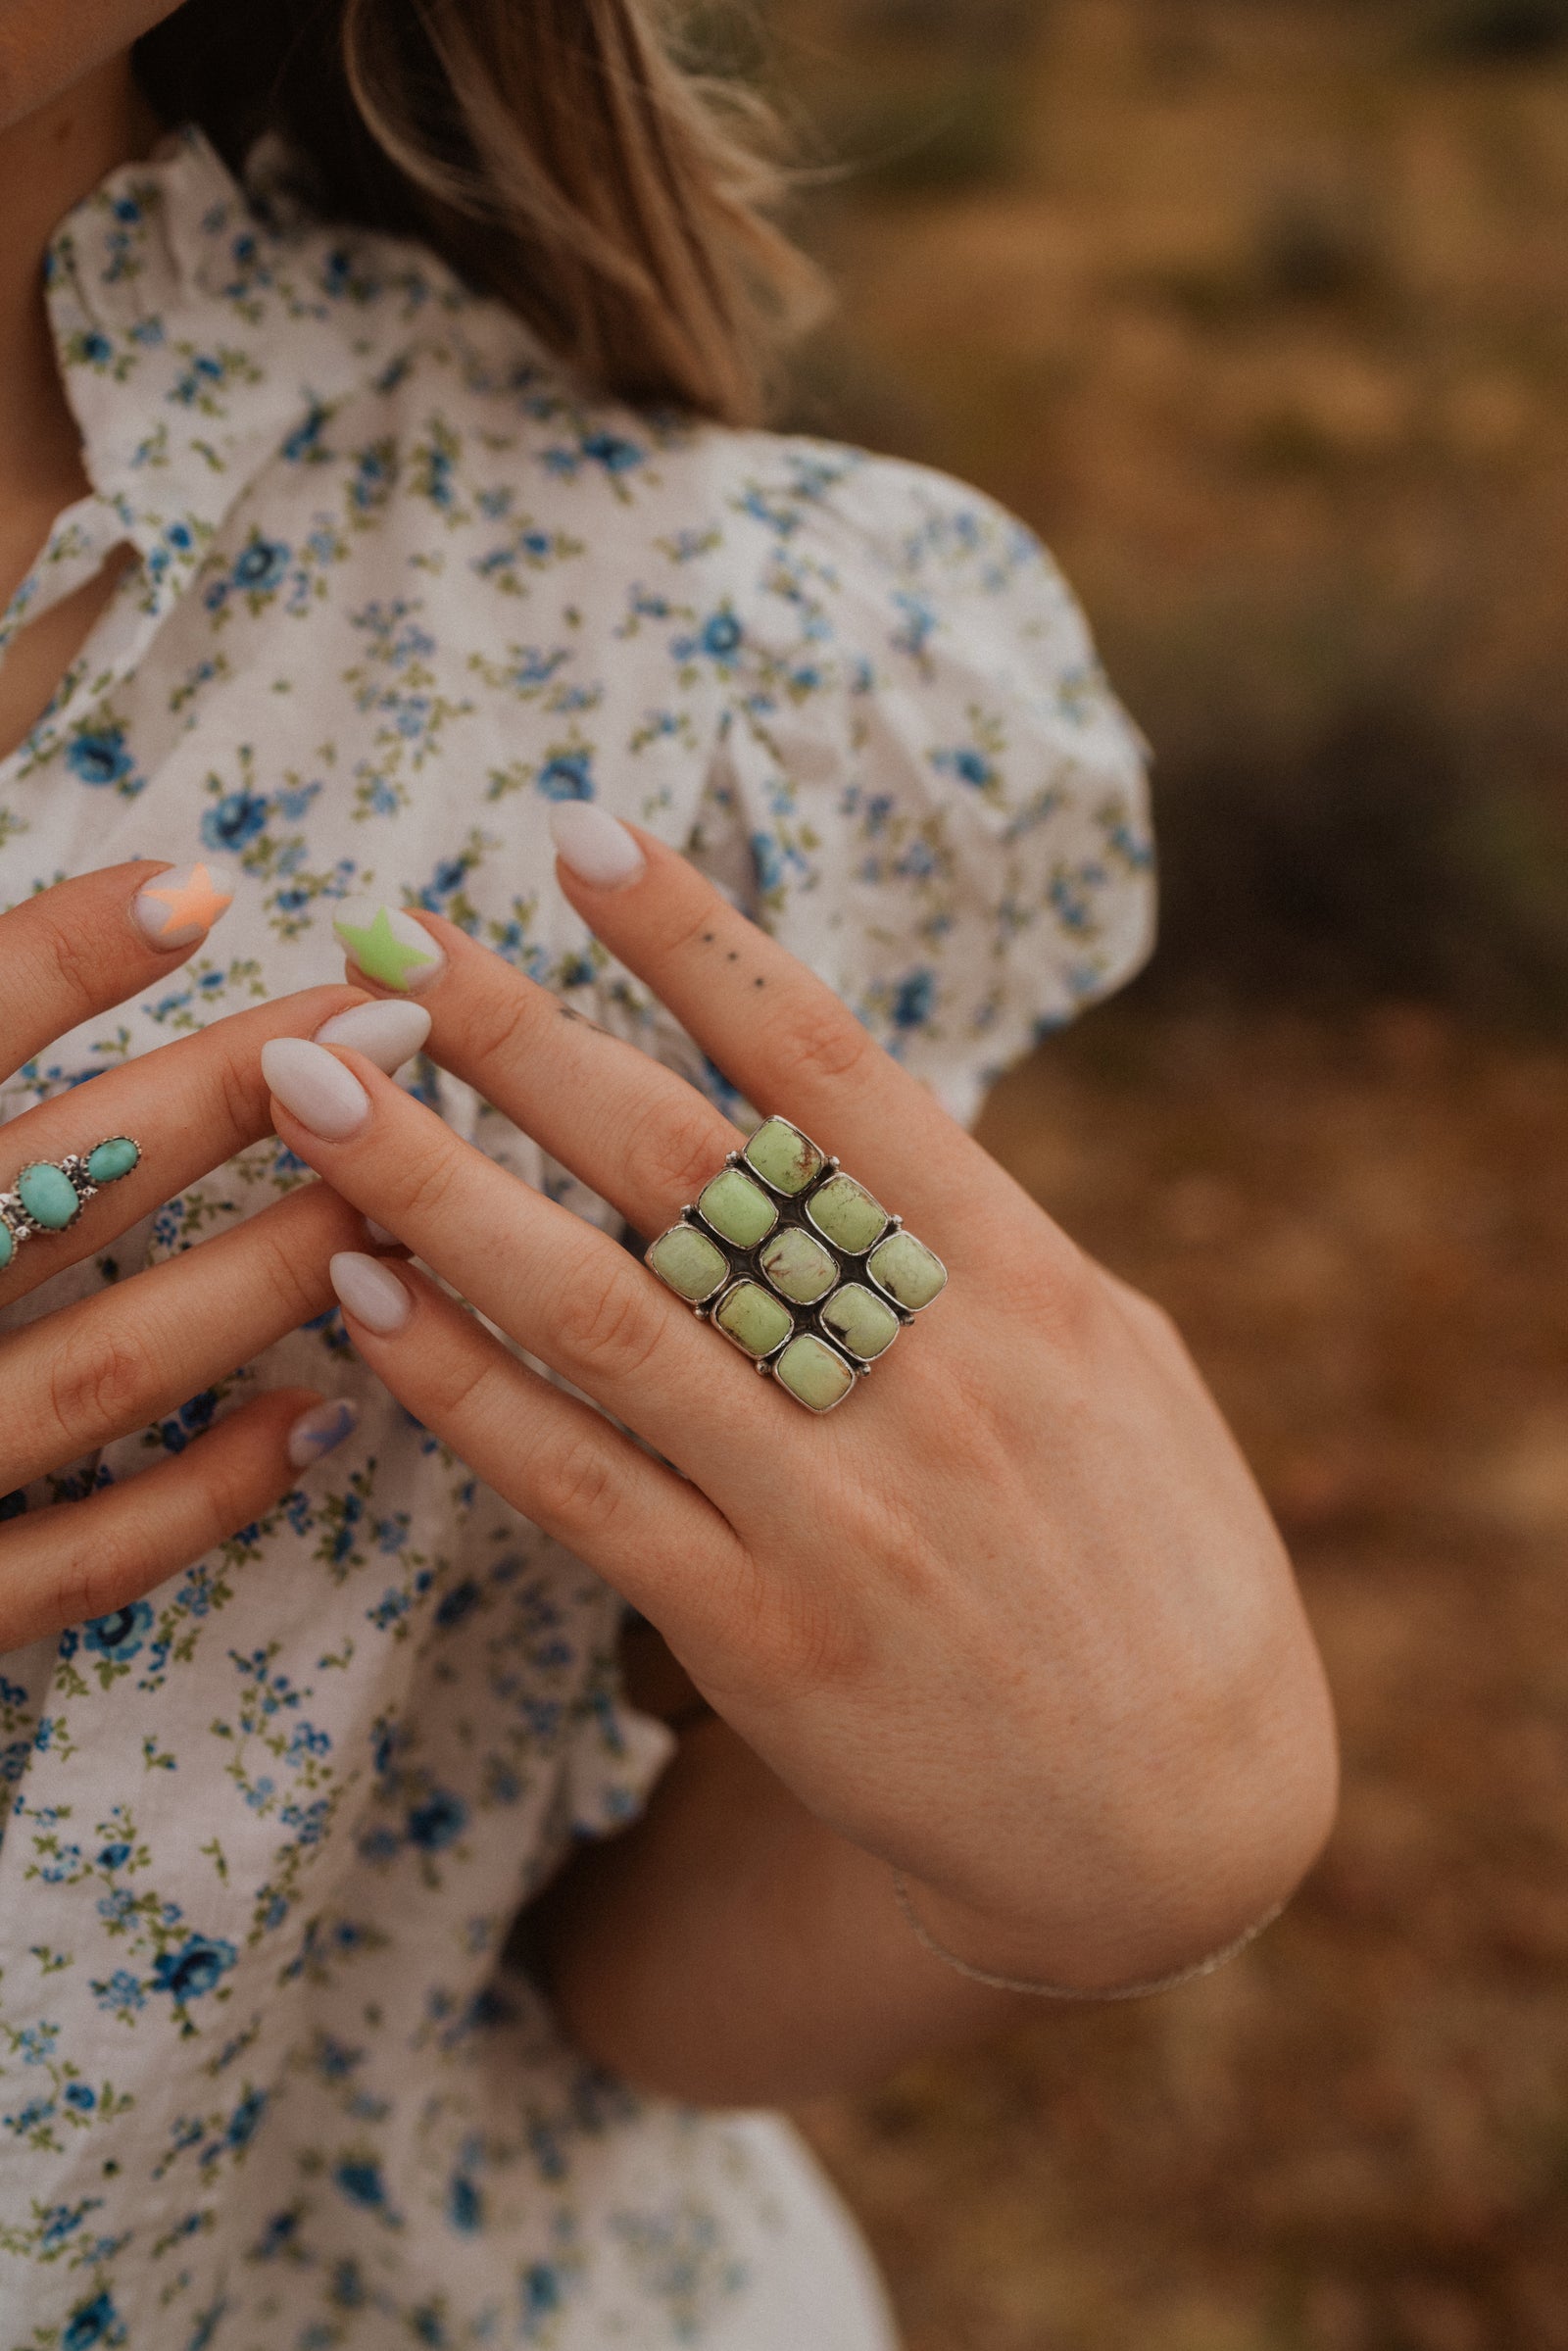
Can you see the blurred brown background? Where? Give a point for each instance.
(1259, 310)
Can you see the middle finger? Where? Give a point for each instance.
(553, 1282)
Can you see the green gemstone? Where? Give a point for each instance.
(694, 1267)
(113, 1159)
(785, 1158)
(845, 1213)
(815, 1373)
(49, 1195)
(8, 1244)
(908, 1271)
(864, 1324)
(754, 1318)
(799, 1267)
(738, 1209)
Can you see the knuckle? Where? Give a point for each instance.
(500, 1028)
(572, 1482)
(818, 1040)
(677, 1148)
(99, 1383)
(240, 1092)
(613, 1325)
(426, 1190)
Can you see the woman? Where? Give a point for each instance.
(375, 1971)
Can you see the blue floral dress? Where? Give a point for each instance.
(267, 2079)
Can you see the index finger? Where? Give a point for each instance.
(85, 944)
(776, 1030)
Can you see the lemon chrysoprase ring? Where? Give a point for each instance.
(798, 1266)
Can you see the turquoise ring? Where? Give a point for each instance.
(49, 1195)
(798, 1265)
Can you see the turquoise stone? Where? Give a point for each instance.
(911, 1274)
(8, 1244)
(798, 1265)
(738, 1209)
(692, 1266)
(845, 1213)
(864, 1324)
(112, 1159)
(787, 1161)
(754, 1319)
(815, 1373)
(49, 1196)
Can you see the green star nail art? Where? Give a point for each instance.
(384, 948)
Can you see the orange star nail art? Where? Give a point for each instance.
(180, 906)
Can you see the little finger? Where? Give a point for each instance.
(81, 1560)
(563, 1464)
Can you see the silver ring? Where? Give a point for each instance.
(49, 1195)
(798, 1265)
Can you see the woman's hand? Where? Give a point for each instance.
(1014, 1619)
(100, 1368)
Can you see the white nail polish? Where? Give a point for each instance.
(370, 1292)
(387, 944)
(379, 1235)
(310, 1082)
(595, 845)
(320, 1431)
(180, 907)
(388, 1033)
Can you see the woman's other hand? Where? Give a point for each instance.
(106, 1365)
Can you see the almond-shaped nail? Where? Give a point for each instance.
(314, 1084)
(369, 1290)
(596, 846)
(180, 907)
(387, 944)
(389, 1032)
(320, 1431)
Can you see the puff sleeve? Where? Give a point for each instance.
(925, 786)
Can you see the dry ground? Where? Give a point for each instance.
(1259, 310)
(1358, 2138)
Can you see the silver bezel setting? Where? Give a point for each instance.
(794, 1211)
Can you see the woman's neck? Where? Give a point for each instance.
(48, 162)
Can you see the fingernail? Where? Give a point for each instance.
(378, 1234)
(180, 907)
(388, 946)
(595, 845)
(323, 1095)
(388, 1033)
(370, 1292)
(320, 1431)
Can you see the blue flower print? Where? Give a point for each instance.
(119, 1633)
(78, 2096)
(194, 1967)
(100, 758)
(438, 1821)
(914, 1000)
(569, 776)
(613, 451)
(969, 765)
(465, 2205)
(114, 1856)
(721, 637)
(236, 819)
(94, 2322)
(360, 2181)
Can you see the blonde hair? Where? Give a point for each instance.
(556, 153)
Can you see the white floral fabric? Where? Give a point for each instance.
(268, 2081)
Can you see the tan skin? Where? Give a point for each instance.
(1058, 1673)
